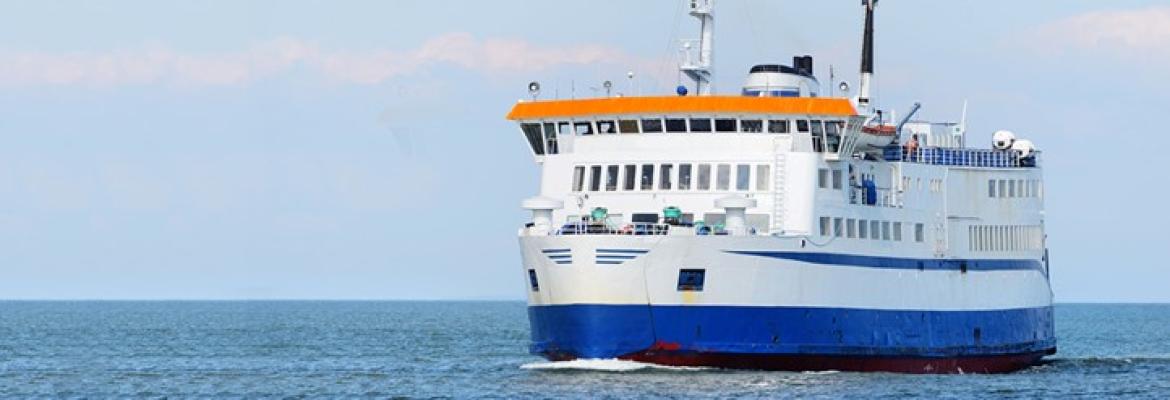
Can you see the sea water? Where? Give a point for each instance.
(479, 349)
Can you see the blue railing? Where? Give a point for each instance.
(959, 157)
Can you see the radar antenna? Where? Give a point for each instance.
(702, 70)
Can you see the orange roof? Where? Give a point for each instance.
(679, 104)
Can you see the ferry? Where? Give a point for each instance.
(781, 228)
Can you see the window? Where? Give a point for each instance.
(919, 233)
(875, 230)
(802, 126)
(647, 177)
(823, 178)
(1002, 188)
(563, 128)
(824, 226)
(691, 280)
(723, 177)
(726, 125)
(550, 137)
(595, 178)
(651, 125)
(837, 179)
(885, 230)
(763, 175)
(743, 176)
(1011, 188)
(700, 124)
(676, 125)
(817, 127)
(606, 127)
(778, 126)
(532, 280)
(991, 188)
(851, 228)
(897, 231)
(628, 126)
(751, 125)
(862, 228)
(704, 177)
(818, 139)
(684, 177)
(578, 178)
(664, 177)
(611, 178)
(838, 230)
(631, 175)
(535, 138)
(832, 127)
(583, 128)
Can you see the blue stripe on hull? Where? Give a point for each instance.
(897, 262)
(608, 331)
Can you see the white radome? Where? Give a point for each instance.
(1002, 140)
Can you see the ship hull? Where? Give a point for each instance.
(797, 338)
(773, 303)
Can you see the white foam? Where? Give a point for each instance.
(604, 365)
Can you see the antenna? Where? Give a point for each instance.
(534, 89)
(702, 71)
(866, 55)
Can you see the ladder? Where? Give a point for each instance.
(780, 146)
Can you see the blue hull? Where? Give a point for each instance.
(627, 331)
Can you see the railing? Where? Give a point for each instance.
(648, 229)
(959, 157)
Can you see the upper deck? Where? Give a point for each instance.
(618, 106)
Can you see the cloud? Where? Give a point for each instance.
(1129, 32)
(155, 65)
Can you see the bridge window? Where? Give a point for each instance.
(802, 126)
(564, 128)
(651, 125)
(726, 125)
(743, 176)
(647, 177)
(752, 125)
(550, 137)
(578, 178)
(684, 177)
(763, 175)
(583, 128)
(606, 127)
(778, 126)
(700, 124)
(631, 174)
(676, 125)
(704, 177)
(595, 178)
(611, 178)
(535, 138)
(723, 177)
(665, 172)
(628, 126)
(818, 139)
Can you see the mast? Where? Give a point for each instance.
(866, 55)
(702, 70)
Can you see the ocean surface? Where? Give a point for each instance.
(478, 349)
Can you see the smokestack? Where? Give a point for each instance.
(866, 54)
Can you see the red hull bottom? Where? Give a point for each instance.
(913, 365)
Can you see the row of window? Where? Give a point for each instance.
(683, 176)
(1015, 188)
(1005, 237)
(543, 136)
(867, 229)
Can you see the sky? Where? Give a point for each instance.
(301, 149)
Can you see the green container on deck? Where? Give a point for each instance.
(599, 213)
(672, 212)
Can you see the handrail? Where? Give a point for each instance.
(959, 157)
